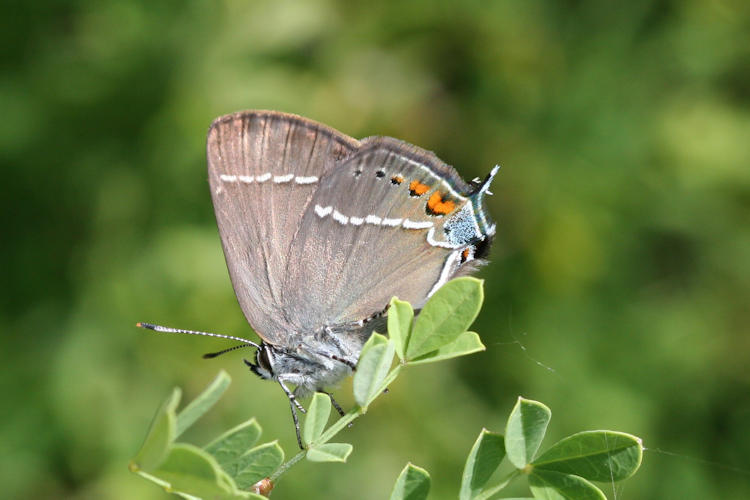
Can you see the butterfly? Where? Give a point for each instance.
(320, 230)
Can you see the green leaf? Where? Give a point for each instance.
(258, 463)
(375, 361)
(203, 402)
(550, 485)
(525, 430)
(448, 313)
(485, 457)
(412, 484)
(594, 455)
(228, 447)
(329, 452)
(466, 343)
(160, 436)
(317, 418)
(400, 318)
(191, 470)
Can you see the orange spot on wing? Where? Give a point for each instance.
(416, 188)
(437, 206)
(397, 179)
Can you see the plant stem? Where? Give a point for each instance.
(286, 465)
(350, 416)
(357, 411)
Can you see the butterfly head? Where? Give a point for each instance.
(264, 361)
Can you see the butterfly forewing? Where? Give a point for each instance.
(264, 168)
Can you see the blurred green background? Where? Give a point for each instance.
(619, 287)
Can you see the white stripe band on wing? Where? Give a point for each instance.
(432, 241)
(278, 179)
(323, 211)
(340, 218)
(445, 273)
(410, 224)
(386, 222)
(305, 180)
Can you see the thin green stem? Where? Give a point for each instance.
(357, 411)
(339, 425)
(287, 465)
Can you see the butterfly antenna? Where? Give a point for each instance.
(166, 329)
(210, 355)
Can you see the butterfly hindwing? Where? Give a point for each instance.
(373, 229)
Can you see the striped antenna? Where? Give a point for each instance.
(167, 329)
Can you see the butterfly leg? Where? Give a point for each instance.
(294, 405)
(292, 398)
(335, 404)
(296, 425)
(333, 401)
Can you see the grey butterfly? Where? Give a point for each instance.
(320, 230)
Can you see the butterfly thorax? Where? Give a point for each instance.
(310, 366)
